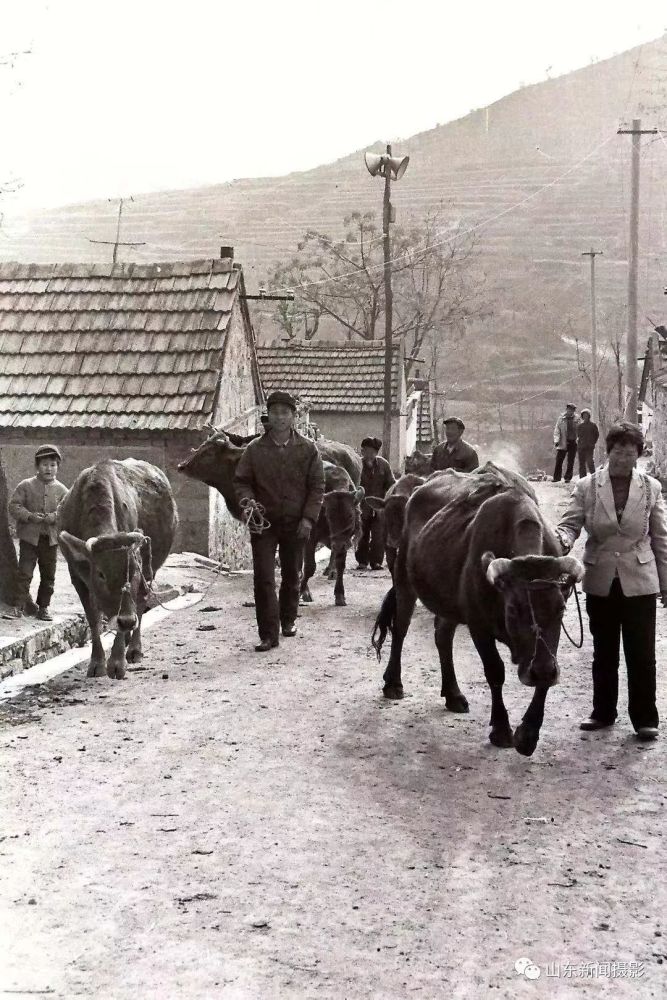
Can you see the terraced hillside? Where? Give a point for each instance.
(541, 174)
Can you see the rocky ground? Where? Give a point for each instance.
(224, 824)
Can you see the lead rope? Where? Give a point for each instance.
(254, 516)
(577, 645)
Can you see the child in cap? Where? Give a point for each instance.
(33, 507)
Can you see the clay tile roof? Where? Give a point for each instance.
(335, 377)
(116, 346)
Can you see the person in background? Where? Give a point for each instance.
(282, 471)
(565, 440)
(376, 478)
(454, 452)
(625, 564)
(33, 506)
(587, 436)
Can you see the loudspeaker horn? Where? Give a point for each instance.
(378, 164)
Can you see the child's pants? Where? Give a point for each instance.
(45, 556)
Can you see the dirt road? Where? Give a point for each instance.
(224, 824)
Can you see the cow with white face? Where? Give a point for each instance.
(115, 529)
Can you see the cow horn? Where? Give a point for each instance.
(571, 567)
(496, 569)
(118, 540)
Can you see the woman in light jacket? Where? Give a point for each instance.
(625, 567)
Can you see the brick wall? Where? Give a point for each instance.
(82, 448)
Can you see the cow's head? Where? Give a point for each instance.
(116, 569)
(341, 508)
(418, 463)
(393, 507)
(214, 463)
(533, 590)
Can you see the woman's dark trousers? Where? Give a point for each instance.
(633, 619)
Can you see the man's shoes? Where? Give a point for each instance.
(592, 724)
(44, 615)
(362, 565)
(376, 566)
(647, 733)
(289, 631)
(30, 608)
(265, 645)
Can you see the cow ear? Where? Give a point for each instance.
(375, 503)
(74, 547)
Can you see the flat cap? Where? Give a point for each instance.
(570, 406)
(280, 396)
(374, 443)
(455, 420)
(48, 451)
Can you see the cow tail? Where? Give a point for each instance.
(385, 621)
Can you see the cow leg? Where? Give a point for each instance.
(527, 733)
(116, 665)
(329, 570)
(450, 691)
(390, 553)
(134, 651)
(396, 613)
(98, 661)
(339, 589)
(308, 568)
(494, 671)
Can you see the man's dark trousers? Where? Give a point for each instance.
(634, 619)
(586, 461)
(45, 556)
(272, 611)
(371, 543)
(570, 451)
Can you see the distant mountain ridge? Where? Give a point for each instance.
(540, 174)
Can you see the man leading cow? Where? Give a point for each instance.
(376, 478)
(454, 452)
(281, 471)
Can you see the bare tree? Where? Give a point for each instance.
(435, 284)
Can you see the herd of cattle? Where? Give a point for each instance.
(474, 548)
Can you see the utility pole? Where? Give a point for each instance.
(117, 242)
(633, 266)
(388, 313)
(595, 401)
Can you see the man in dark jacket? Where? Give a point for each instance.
(282, 471)
(376, 478)
(454, 452)
(587, 435)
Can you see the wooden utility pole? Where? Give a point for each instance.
(117, 242)
(633, 266)
(388, 313)
(595, 400)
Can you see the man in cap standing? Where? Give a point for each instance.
(33, 506)
(282, 471)
(376, 478)
(454, 452)
(587, 436)
(565, 441)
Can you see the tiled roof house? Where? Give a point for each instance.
(127, 360)
(343, 384)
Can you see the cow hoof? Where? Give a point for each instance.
(341, 602)
(394, 692)
(455, 702)
(116, 671)
(306, 597)
(525, 740)
(501, 737)
(96, 669)
(134, 655)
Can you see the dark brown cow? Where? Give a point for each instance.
(214, 463)
(418, 463)
(393, 507)
(477, 550)
(337, 527)
(116, 528)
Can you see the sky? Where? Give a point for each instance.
(113, 99)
